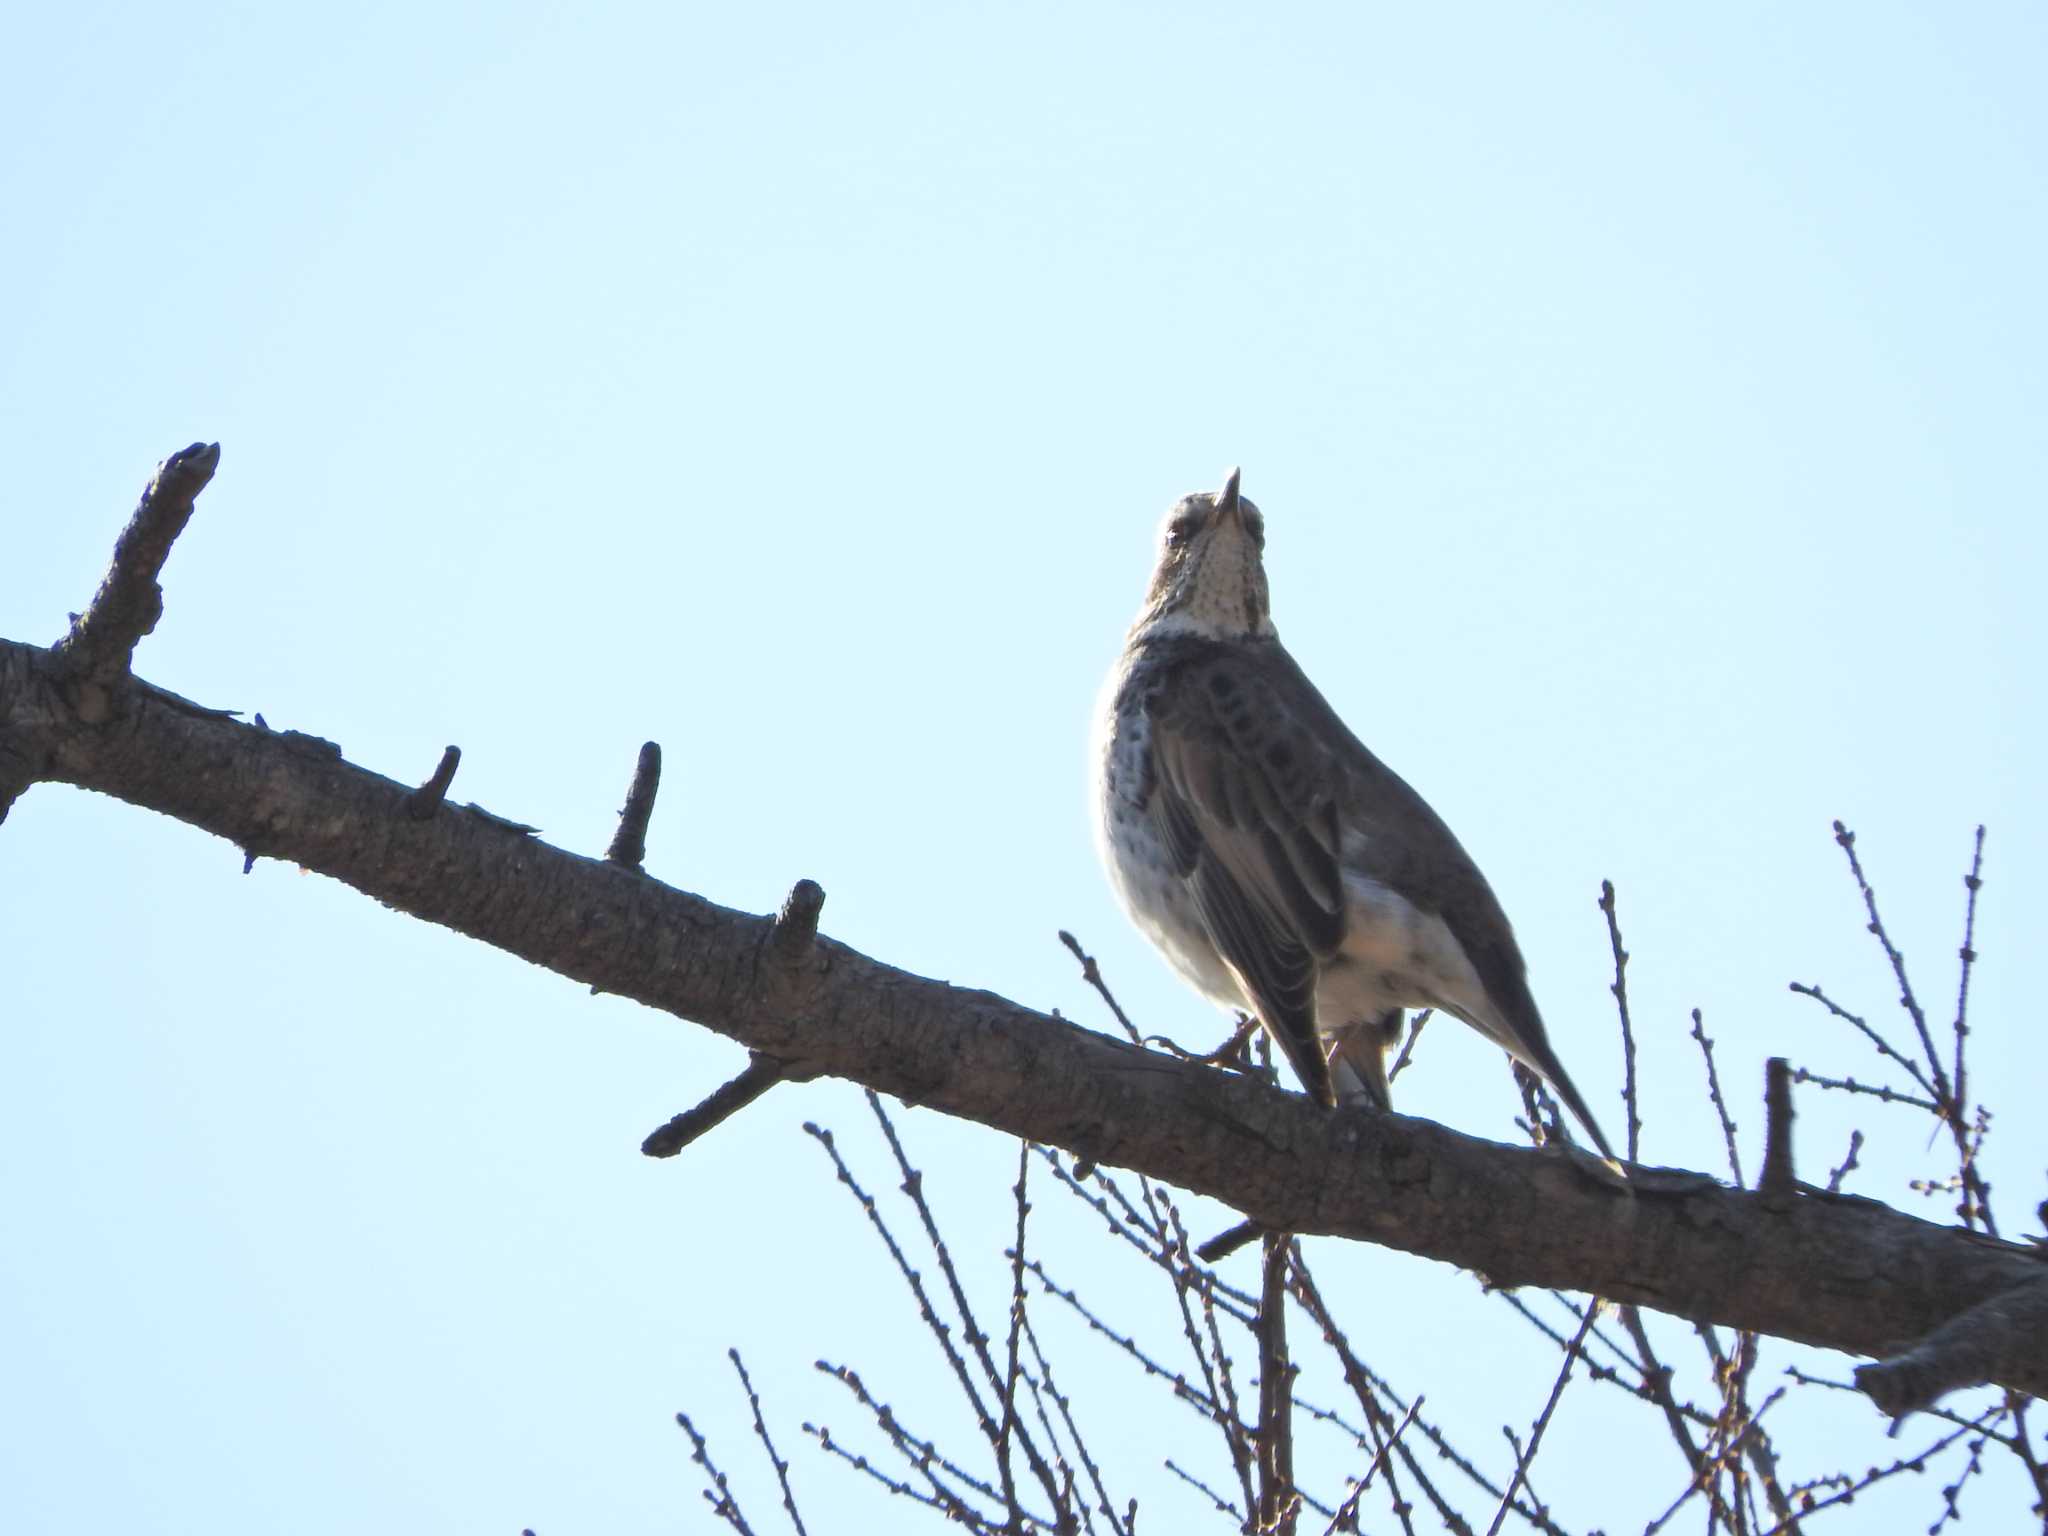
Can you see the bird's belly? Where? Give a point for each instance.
(1140, 872)
(1394, 955)
(1159, 902)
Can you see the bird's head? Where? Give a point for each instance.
(1210, 581)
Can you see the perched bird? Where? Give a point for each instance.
(1281, 866)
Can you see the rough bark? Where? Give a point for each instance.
(1832, 1270)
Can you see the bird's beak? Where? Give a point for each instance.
(1226, 499)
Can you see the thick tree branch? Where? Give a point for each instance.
(1803, 1264)
(1831, 1270)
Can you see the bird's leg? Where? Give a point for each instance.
(1358, 1059)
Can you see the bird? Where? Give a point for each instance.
(1281, 867)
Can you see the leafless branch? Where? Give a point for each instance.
(719, 1494)
(759, 1075)
(1619, 987)
(1706, 1046)
(1522, 1461)
(767, 1442)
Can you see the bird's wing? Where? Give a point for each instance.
(1400, 843)
(1243, 799)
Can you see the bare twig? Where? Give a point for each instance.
(940, 1498)
(1943, 1093)
(1408, 1046)
(1011, 1366)
(767, 1442)
(1876, 1091)
(759, 1075)
(1119, 1525)
(1863, 1026)
(101, 643)
(1276, 1391)
(629, 842)
(1973, 882)
(1849, 1491)
(1346, 1517)
(977, 1340)
(924, 1456)
(1706, 1045)
(1848, 1164)
(1619, 987)
(1223, 1505)
(1564, 1375)
(1211, 1357)
(927, 1313)
(1657, 1383)
(423, 802)
(1092, 974)
(718, 1495)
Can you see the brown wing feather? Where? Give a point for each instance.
(1249, 816)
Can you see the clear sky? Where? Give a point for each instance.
(1648, 412)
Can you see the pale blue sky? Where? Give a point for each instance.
(1647, 409)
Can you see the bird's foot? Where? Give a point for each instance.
(1235, 1053)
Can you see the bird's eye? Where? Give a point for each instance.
(1179, 531)
(1257, 527)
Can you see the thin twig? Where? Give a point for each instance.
(1943, 1094)
(761, 1433)
(1863, 1026)
(1276, 1380)
(1223, 1506)
(977, 1340)
(942, 1499)
(1346, 1517)
(1699, 1033)
(1657, 1382)
(1848, 1164)
(1564, 1375)
(759, 1075)
(1876, 1091)
(923, 1455)
(1092, 974)
(1875, 1475)
(1120, 1526)
(1010, 1372)
(719, 1494)
(1619, 987)
(1408, 1046)
(927, 1313)
(1973, 882)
